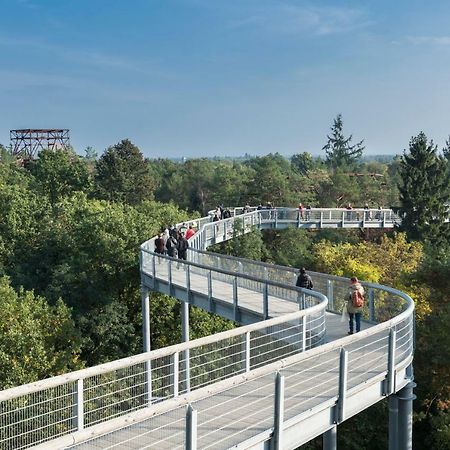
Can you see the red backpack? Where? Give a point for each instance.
(357, 299)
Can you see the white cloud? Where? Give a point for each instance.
(289, 18)
(85, 57)
(429, 40)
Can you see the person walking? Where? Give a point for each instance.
(355, 304)
(304, 280)
(182, 248)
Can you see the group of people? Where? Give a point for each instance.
(173, 241)
(367, 212)
(221, 213)
(354, 299)
(304, 212)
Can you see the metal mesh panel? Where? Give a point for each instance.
(114, 393)
(38, 417)
(217, 361)
(367, 358)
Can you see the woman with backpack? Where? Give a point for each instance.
(355, 304)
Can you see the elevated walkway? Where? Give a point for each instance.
(288, 374)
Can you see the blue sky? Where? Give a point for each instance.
(226, 77)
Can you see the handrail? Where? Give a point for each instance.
(134, 377)
(29, 388)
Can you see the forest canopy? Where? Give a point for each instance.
(71, 227)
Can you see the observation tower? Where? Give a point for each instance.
(26, 143)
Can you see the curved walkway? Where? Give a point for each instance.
(263, 382)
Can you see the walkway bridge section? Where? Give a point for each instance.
(289, 373)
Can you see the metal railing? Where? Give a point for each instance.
(246, 408)
(165, 380)
(37, 412)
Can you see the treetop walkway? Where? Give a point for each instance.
(289, 373)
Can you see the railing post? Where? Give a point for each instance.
(278, 413)
(343, 219)
(371, 295)
(247, 352)
(304, 333)
(321, 219)
(191, 428)
(169, 272)
(301, 301)
(390, 379)
(210, 291)
(276, 218)
(343, 375)
(79, 404)
(266, 301)
(146, 338)
(188, 283)
(176, 373)
(235, 300)
(154, 269)
(330, 295)
(185, 338)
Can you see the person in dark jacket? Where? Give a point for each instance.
(182, 246)
(304, 280)
(172, 246)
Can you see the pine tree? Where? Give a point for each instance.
(424, 192)
(339, 151)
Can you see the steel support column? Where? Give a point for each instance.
(393, 422)
(329, 439)
(405, 416)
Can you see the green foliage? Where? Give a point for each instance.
(250, 245)
(302, 163)
(60, 173)
(291, 247)
(272, 181)
(36, 340)
(123, 175)
(424, 190)
(338, 149)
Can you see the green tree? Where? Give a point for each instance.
(122, 175)
(60, 173)
(290, 247)
(273, 180)
(424, 192)
(338, 149)
(302, 163)
(36, 340)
